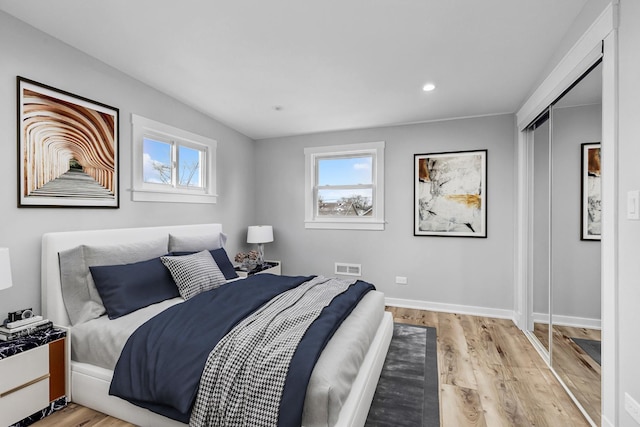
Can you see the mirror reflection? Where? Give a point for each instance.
(575, 263)
(565, 264)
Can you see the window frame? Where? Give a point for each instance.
(156, 192)
(174, 147)
(313, 154)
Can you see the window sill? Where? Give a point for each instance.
(168, 197)
(345, 225)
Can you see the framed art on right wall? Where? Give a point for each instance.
(591, 198)
(450, 194)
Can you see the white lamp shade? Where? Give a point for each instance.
(260, 234)
(5, 269)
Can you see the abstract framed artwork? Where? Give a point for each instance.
(67, 149)
(450, 194)
(591, 192)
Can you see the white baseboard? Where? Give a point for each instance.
(451, 308)
(517, 319)
(574, 321)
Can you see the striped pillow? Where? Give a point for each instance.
(194, 273)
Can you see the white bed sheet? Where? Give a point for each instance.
(100, 341)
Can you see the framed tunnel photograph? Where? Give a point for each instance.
(67, 149)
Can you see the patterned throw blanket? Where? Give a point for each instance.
(245, 373)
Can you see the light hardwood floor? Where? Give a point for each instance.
(577, 369)
(490, 375)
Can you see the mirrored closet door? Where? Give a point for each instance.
(565, 261)
(541, 231)
(576, 130)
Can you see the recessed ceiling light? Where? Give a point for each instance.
(428, 87)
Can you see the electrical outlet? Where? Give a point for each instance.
(400, 280)
(632, 407)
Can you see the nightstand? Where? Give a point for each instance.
(271, 267)
(33, 373)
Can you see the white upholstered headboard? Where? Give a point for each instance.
(52, 303)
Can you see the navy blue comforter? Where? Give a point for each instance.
(161, 363)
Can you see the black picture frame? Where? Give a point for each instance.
(68, 149)
(450, 194)
(590, 192)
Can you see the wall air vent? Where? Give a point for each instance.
(348, 269)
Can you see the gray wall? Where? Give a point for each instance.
(466, 271)
(32, 54)
(576, 263)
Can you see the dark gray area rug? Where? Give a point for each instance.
(407, 393)
(591, 347)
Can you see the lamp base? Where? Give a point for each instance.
(260, 254)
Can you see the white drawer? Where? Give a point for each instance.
(23, 368)
(24, 402)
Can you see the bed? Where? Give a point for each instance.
(89, 379)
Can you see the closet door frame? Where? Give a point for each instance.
(599, 41)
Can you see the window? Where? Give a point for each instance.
(159, 158)
(172, 165)
(344, 187)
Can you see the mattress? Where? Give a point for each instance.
(100, 341)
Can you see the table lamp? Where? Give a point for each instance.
(5, 269)
(260, 234)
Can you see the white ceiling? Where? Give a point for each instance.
(327, 64)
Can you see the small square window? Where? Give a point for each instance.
(344, 186)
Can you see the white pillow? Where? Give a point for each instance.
(194, 273)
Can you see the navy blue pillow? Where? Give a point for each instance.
(126, 288)
(221, 258)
